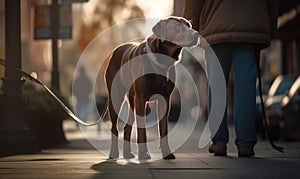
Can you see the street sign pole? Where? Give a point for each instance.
(55, 36)
(15, 136)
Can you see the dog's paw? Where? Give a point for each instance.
(113, 154)
(169, 157)
(128, 155)
(144, 156)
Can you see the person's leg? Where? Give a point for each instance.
(245, 74)
(222, 52)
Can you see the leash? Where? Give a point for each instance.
(278, 148)
(75, 118)
(65, 108)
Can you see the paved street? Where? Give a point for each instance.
(81, 160)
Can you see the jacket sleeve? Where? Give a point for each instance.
(192, 11)
(273, 9)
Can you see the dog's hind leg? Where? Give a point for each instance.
(127, 154)
(113, 115)
(114, 108)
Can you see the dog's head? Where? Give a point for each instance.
(176, 30)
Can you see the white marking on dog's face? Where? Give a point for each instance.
(176, 32)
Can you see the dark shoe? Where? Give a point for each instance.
(246, 152)
(169, 157)
(218, 148)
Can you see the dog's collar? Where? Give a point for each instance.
(150, 54)
(154, 61)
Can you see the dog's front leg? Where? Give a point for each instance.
(140, 110)
(163, 114)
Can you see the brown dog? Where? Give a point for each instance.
(170, 35)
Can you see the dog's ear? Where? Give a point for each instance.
(160, 29)
(182, 20)
(154, 44)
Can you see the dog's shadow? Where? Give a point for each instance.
(120, 168)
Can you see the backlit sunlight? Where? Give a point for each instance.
(156, 8)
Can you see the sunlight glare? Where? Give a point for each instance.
(156, 8)
(122, 162)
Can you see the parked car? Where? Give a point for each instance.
(278, 91)
(291, 113)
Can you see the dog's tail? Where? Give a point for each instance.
(65, 108)
(105, 64)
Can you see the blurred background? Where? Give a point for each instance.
(52, 59)
(80, 23)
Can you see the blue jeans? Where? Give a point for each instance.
(243, 58)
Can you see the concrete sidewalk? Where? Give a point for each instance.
(80, 160)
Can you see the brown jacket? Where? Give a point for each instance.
(246, 21)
